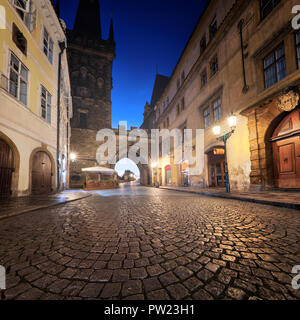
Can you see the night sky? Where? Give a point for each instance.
(147, 33)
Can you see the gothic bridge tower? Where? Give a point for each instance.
(90, 65)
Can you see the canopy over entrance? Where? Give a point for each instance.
(100, 170)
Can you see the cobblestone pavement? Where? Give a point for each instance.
(142, 243)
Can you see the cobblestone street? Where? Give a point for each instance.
(144, 243)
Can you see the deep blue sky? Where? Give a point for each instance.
(147, 33)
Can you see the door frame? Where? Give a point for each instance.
(16, 156)
(53, 167)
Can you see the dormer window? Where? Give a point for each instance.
(266, 6)
(213, 28)
(202, 45)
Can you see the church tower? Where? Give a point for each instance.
(90, 65)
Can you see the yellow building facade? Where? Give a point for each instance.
(242, 59)
(34, 122)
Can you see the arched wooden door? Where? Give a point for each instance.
(6, 168)
(286, 152)
(41, 173)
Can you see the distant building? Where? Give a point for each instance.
(242, 58)
(149, 110)
(35, 101)
(129, 176)
(90, 62)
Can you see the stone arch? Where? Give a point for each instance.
(207, 162)
(16, 173)
(53, 166)
(269, 150)
(270, 173)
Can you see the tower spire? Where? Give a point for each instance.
(88, 22)
(111, 30)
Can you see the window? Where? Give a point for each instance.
(206, 116)
(182, 104)
(18, 79)
(178, 83)
(178, 109)
(83, 120)
(46, 105)
(168, 122)
(217, 110)
(266, 6)
(19, 39)
(182, 77)
(214, 66)
(48, 46)
(274, 66)
(213, 28)
(202, 45)
(298, 48)
(25, 10)
(203, 78)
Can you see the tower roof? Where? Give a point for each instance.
(88, 22)
(159, 87)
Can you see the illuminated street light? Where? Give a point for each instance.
(217, 130)
(73, 156)
(153, 165)
(232, 121)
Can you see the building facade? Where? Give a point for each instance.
(242, 59)
(35, 102)
(90, 62)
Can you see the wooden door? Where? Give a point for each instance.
(6, 168)
(286, 152)
(41, 174)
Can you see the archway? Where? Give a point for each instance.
(285, 154)
(127, 170)
(6, 168)
(41, 172)
(9, 167)
(216, 166)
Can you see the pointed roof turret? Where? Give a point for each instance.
(111, 30)
(88, 22)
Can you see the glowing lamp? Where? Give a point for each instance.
(217, 130)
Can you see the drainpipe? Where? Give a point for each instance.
(62, 46)
(240, 26)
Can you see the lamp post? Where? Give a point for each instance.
(232, 120)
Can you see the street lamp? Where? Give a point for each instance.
(232, 121)
(73, 157)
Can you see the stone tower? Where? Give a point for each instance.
(90, 65)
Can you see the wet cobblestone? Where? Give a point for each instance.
(155, 244)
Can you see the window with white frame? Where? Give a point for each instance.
(46, 105)
(48, 46)
(18, 79)
(25, 10)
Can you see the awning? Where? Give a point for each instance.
(100, 170)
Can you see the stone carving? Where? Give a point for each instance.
(288, 101)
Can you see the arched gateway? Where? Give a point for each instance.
(41, 173)
(286, 152)
(6, 168)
